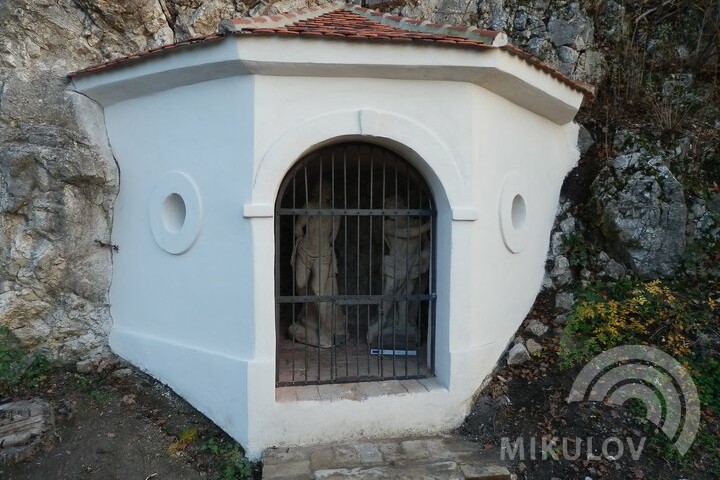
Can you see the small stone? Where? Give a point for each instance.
(626, 141)
(369, 453)
(518, 355)
(122, 373)
(568, 59)
(414, 449)
(603, 258)
(567, 54)
(299, 469)
(544, 50)
(484, 472)
(520, 21)
(547, 282)
(536, 327)
(568, 225)
(564, 301)
(591, 67)
(561, 319)
(564, 206)
(85, 366)
(320, 457)
(572, 28)
(97, 361)
(557, 244)
(585, 140)
(561, 272)
(614, 270)
(346, 454)
(714, 204)
(533, 347)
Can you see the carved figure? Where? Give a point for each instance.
(315, 269)
(404, 266)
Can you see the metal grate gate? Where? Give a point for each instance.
(354, 268)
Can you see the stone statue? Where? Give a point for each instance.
(404, 266)
(315, 269)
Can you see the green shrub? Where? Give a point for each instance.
(628, 312)
(232, 462)
(18, 367)
(707, 379)
(578, 251)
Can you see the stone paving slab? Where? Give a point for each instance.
(445, 457)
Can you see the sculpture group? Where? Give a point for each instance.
(407, 260)
(404, 268)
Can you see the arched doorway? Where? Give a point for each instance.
(354, 268)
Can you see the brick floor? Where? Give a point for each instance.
(445, 457)
(302, 363)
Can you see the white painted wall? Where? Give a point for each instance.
(204, 321)
(188, 319)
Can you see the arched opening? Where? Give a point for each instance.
(354, 268)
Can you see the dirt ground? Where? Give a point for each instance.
(124, 425)
(529, 401)
(125, 428)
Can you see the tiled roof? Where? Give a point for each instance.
(353, 23)
(148, 53)
(364, 24)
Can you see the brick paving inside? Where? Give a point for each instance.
(300, 363)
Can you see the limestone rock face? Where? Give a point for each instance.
(58, 180)
(141, 22)
(561, 33)
(570, 27)
(642, 213)
(191, 18)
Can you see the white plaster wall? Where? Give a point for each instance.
(503, 285)
(204, 321)
(484, 290)
(187, 318)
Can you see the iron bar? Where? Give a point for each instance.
(358, 212)
(366, 257)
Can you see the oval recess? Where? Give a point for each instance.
(514, 212)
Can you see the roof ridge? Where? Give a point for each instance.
(491, 37)
(236, 25)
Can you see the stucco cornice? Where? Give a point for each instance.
(493, 69)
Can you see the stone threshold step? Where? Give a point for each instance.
(418, 458)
